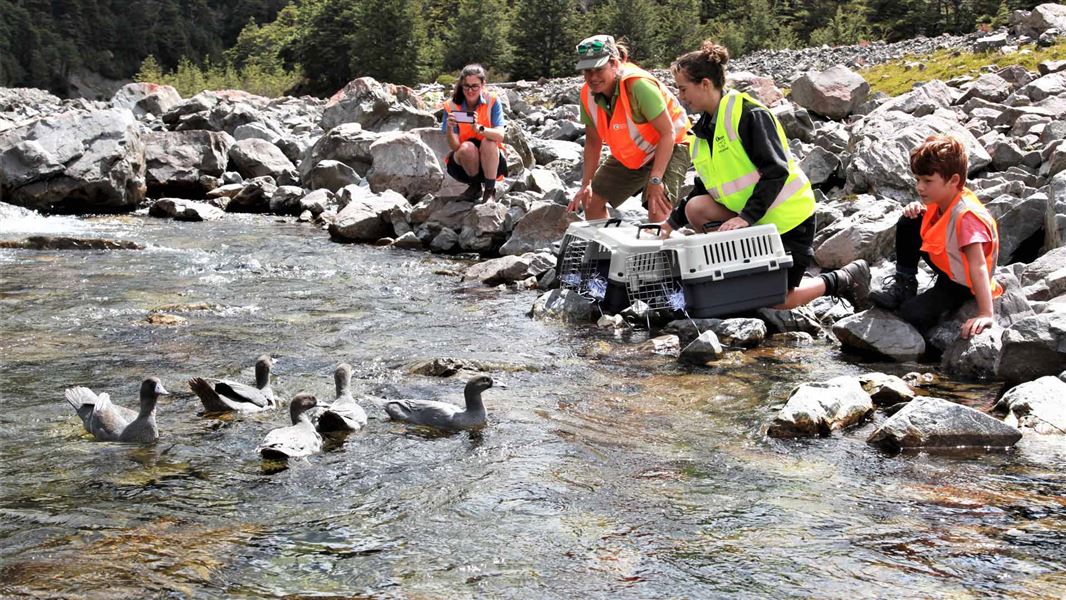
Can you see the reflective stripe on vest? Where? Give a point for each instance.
(730, 176)
(940, 239)
(634, 144)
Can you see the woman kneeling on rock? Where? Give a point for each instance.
(746, 175)
(475, 128)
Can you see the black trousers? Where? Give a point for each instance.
(926, 309)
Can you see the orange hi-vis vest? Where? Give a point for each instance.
(940, 239)
(484, 116)
(633, 144)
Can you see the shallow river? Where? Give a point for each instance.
(604, 473)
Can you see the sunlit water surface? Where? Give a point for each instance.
(605, 472)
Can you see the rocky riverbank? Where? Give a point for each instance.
(366, 166)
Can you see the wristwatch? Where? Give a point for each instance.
(655, 180)
(481, 129)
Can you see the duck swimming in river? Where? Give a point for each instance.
(222, 395)
(299, 439)
(112, 423)
(344, 414)
(443, 415)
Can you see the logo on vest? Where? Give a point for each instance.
(617, 126)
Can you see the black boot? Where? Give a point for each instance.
(850, 282)
(895, 290)
(472, 192)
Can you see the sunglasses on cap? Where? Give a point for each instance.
(593, 46)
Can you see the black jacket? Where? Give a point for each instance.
(758, 136)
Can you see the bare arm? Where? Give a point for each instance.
(982, 291)
(657, 201)
(593, 148)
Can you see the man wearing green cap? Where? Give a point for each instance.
(643, 125)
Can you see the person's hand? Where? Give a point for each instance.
(580, 198)
(734, 223)
(452, 123)
(665, 230)
(913, 210)
(975, 326)
(658, 203)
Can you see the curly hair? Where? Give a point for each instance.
(940, 154)
(706, 63)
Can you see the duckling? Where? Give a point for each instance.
(112, 423)
(344, 414)
(443, 415)
(299, 439)
(222, 395)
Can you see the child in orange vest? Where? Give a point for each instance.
(955, 234)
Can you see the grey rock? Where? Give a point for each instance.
(408, 241)
(544, 181)
(317, 202)
(797, 319)
(922, 100)
(819, 165)
(1033, 347)
(331, 175)
(1039, 405)
(74, 162)
(348, 143)
(1042, 267)
(974, 358)
(286, 200)
(257, 158)
(704, 349)
(667, 345)
(367, 216)
(1040, 19)
(834, 93)
(446, 240)
(1008, 309)
(795, 120)
(485, 227)
(746, 333)
(403, 163)
(376, 106)
(184, 210)
(564, 305)
(1053, 84)
(506, 269)
(1051, 66)
(882, 333)
(990, 87)
(869, 233)
(991, 42)
(1017, 220)
(762, 89)
(177, 161)
(254, 196)
(935, 423)
(886, 390)
(1005, 154)
(543, 225)
(548, 151)
(60, 242)
(146, 98)
(816, 409)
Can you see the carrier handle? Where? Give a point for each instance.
(615, 222)
(710, 224)
(656, 226)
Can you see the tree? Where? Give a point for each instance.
(848, 26)
(479, 35)
(387, 43)
(633, 22)
(544, 44)
(679, 28)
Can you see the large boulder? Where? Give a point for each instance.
(881, 146)
(348, 143)
(1042, 267)
(74, 162)
(1051, 85)
(1011, 307)
(563, 304)
(146, 98)
(185, 162)
(184, 210)
(1040, 19)
(762, 89)
(922, 100)
(485, 227)
(257, 158)
(819, 408)
(702, 350)
(403, 163)
(880, 333)
(869, 233)
(505, 269)
(376, 106)
(1039, 405)
(935, 423)
(1033, 347)
(974, 358)
(1055, 216)
(544, 224)
(332, 175)
(834, 93)
(1017, 219)
(367, 216)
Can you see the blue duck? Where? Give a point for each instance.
(112, 423)
(223, 395)
(443, 415)
(344, 414)
(299, 439)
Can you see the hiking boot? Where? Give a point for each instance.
(853, 283)
(472, 192)
(895, 290)
(489, 195)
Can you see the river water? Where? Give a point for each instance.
(605, 472)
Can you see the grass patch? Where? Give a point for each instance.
(898, 77)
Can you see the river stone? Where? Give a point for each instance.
(974, 358)
(258, 158)
(376, 106)
(184, 210)
(445, 240)
(74, 162)
(53, 242)
(816, 409)
(870, 233)
(543, 225)
(505, 269)
(1055, 217)
(746, 333)
(367, 216)
(882, 333)
(688, 330)
(286, 200)
(177, 161)
(990, 87)
(485, 227)
(1033, 347)
(1017, 219)
(922, 100)
(886, 390)
(408, 241)
(668, 345)
(797, 319)
(1008, 309)
(331, 175)
(146, 98)
(819, 165)
(935, 423)
(834, 93)
(348, 143)
(317, 202)
(254, 196)
(1039, 405)
(401, 162)
(792, 339)
(564, 305)
(702, 350)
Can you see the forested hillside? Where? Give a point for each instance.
(316, 46)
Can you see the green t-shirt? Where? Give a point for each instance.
(645, 99)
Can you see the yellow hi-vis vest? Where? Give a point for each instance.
(730, 176)
(631, 143)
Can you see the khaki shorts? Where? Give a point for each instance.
(616, 183)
